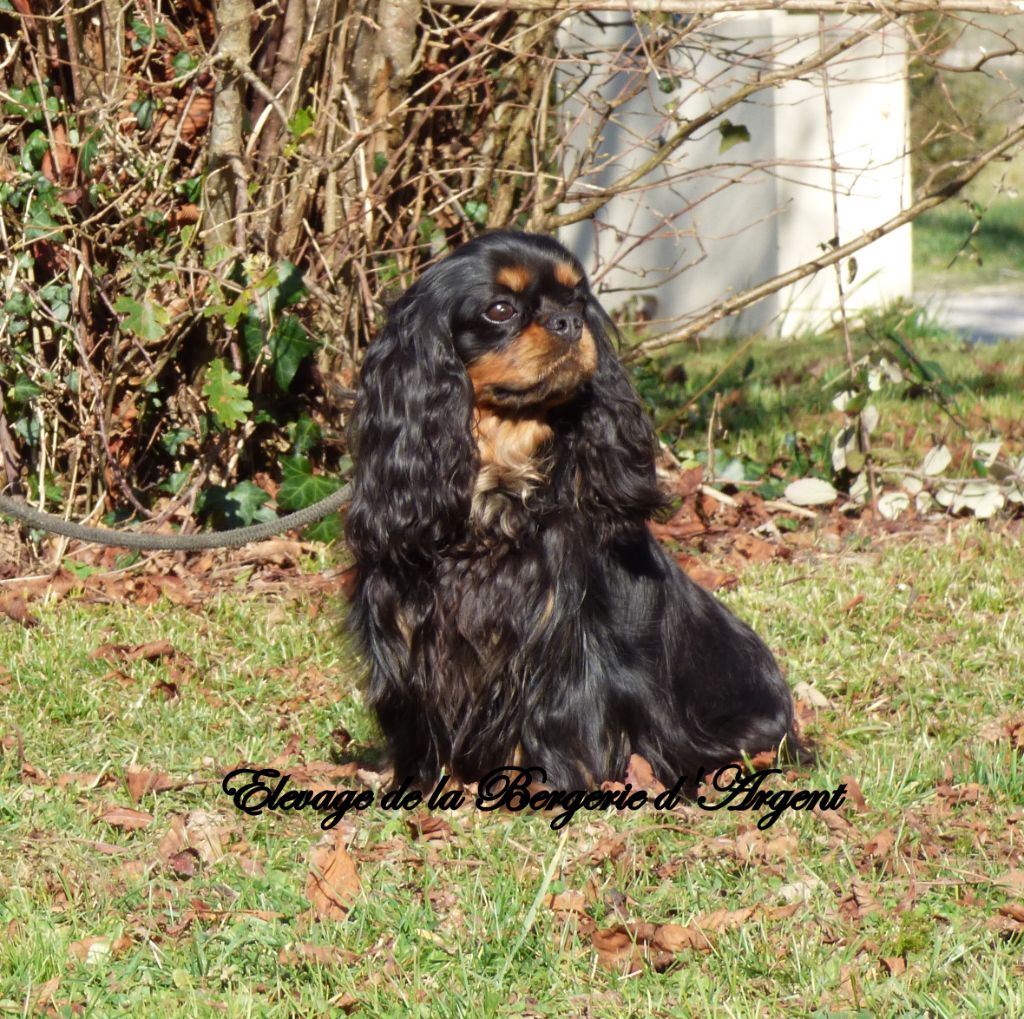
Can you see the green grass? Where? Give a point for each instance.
(912, 673)
(772, 404)
(952, 247)
(915, 643)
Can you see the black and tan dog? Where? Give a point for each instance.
(512, 604)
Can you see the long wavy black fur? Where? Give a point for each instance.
(570, 646)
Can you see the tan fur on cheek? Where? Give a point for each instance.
(588, 353)
(520, 365)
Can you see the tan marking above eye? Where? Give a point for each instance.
(567, 275)
(516, 277)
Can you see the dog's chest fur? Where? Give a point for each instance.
(512, 453)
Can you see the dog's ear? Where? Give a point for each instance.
(614, 445)
(415, 457)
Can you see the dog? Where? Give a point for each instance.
(511, 602)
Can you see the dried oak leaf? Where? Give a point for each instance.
(324, 955)
(570, 901)
(206, 831)
(617, 951)
(753, 549)
(894, 964)
(708, 577)
(13, 606)
(428, 828)
(672, 937)
(1009, 728)
(185, 864)
(858, 902)
(141, 781)
(333, 882)
(879, 847)
(126, 818)
(640, 775)
(1008, 923)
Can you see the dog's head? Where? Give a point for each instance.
(474, 360)
(520, 317)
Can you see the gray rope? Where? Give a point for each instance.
(174, 542)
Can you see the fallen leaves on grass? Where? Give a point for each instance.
(857, 903)
(323, 955)
(708, 577)
(141, 781)
(428, 828)
(640, 775)
(1008, 922)
(13, 606)
(95, 950)
(151, 651)
(208, 832)
(627, 948)
(570, 901)
(1009, 728)
(126, 818)
(877, 850)
(332, 883)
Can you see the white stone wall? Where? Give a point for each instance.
(713, 223)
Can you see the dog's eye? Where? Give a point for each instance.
(500, 311)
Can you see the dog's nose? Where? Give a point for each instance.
(566, 325)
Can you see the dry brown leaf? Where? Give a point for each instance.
(86, 779)
(141, 781)
(672, 937)
(616, 950)
(13, 606)
(567, 902)
(755, 550)
(429, 828)
(287, 752)
(1012, 880)
(185, 864)
(640, 775)
(834, 821)
(126, 818)
(854, 794)
(44, 993)
(1009, 728)
(150, 652)
(708, 577)
(895, 964)
(858, 902)
(33, 775)
(1008, 923)
(324, 955)
(856, 600)
(969, 793)
(206, 831)
(881, 845)
(751, 845)
(608, 847)
(723, 919)
(333, 882)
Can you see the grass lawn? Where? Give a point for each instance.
(950, 242)
(908, 900)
